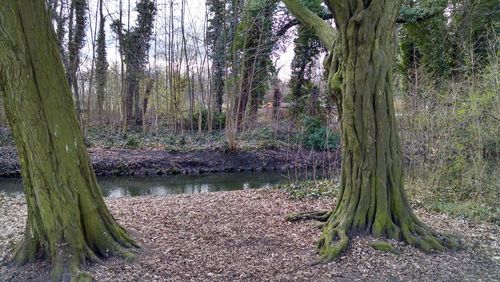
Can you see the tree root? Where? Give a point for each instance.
(383, 247)
(27, 251)
(332, 243)
(424, 238)
(321, 216)
(69, 256)
(337, 230)
(66, 266)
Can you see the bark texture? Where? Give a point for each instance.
(372, 198)
(68, 221)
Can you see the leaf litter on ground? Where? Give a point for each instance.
(243, 236)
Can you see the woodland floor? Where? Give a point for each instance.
(242, 235)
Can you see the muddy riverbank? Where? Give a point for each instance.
(158, 162)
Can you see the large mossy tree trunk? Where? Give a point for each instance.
(68, 221)
(372, 199)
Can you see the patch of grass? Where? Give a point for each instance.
(435, 197)
(467, 210)
(310, 189)
(419, 193)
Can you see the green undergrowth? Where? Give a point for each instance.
(310, 189)
(468, 210)
(308, 133)
(102, 138)
(316, 136)
(249, 140)
(451, 141)
(439, 198)
(420, 195)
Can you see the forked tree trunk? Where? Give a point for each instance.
(372, 198)
(68, 221)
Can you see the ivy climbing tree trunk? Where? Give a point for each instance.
(68, 221)
(76, 38)
(134, 44)
(372, 199)
(101, 64)
(217, 39)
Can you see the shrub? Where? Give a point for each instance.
(451, 139)
(317, 136)
(132, 141)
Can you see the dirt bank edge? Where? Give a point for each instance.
(158, 162)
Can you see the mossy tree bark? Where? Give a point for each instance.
(372, 199)
(68, 221)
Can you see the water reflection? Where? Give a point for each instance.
(116, 187)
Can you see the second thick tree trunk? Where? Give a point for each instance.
(372, 187)
(372, 164)
(372, 198)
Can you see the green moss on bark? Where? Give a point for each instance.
(372, 198)
(383, 247)
(68, 221)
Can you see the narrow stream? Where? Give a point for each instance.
(174, 184)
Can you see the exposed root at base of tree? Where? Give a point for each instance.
(27, 251)
(67, 260)
(383, 247)
(321, 216)
(335, 237)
